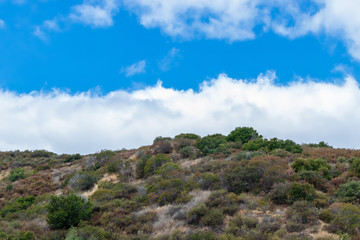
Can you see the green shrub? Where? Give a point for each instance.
(302, 212)
(208, 181)
(166, 191)
(215, 217)
(154, 163)
(226, 202)
(169, 170)
(188, 136)
(72, 158)
(349, 192)
(98, 160)
(213, 144)
(355, 167)
(243, 135)
(300, 191)
(16, 174)
(188, 152)
(19, 204)
(9, 187)
(197, 213)
(319, 165)
(347, 219)
(67, 211)
(140, 166)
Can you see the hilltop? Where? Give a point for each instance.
(239, 186)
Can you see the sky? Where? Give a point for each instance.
(85, 75)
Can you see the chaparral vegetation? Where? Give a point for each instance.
(216, 187)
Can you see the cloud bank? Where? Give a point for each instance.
(85, 122)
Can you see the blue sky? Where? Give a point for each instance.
(51, 50)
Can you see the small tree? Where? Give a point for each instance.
(243, 134)
(67, 211)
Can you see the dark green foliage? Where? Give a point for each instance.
(202, 236)
(140, 166)
(349, 192)
(160, 138)
(321, 144)
(213, 144)
(166, 191)
(188, 136)
(187, 152)
(208, 181)
(241, 178)
(86, 182)
(154, 163)
(228, 203)
(301, 191)
(41, 153)
(9, 187)
(214, 218)
(19, 236)
(169, 170)
(67, 211)
(313, 177)
(16, 174)
(302, 212)
(319, 165)
(255, 145)
(194, 216)
(21, 203)
(73, 157)
(355, 167)
(243, 135)
(279, 193)
(272, 144)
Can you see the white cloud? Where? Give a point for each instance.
(219, 19)
(337, 18)
(136, 68)
(95, 13)
(38, 32)
(2, 23)
(51, 25)
(169, 60)
(302, 111)
(236, 20)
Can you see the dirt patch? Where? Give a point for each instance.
(110, 178)
(323, 233)
(188, 163)
(4, 174)
(170, 217)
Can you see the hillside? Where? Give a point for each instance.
(239, 186)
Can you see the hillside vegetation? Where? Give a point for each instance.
(239, 186)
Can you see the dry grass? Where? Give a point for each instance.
(110, 178)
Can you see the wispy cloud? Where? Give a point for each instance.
(170, 59)
(303, 111)
(136, 68)
(2, 23)
(38, 32)
(96, 14)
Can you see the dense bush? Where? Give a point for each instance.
(166, 191)
(272, 144)
(349, 192)
(213, 144)
(355, 167)
(243, 135)
(346, 219)
(302, 212)
(73, 157)
(16, 174)
(319, 165)
(188, 136)
(21, 203)
(67, 211)
(301, 191)
(154, 163)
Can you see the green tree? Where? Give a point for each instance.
(67, 211)
(243, 134)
